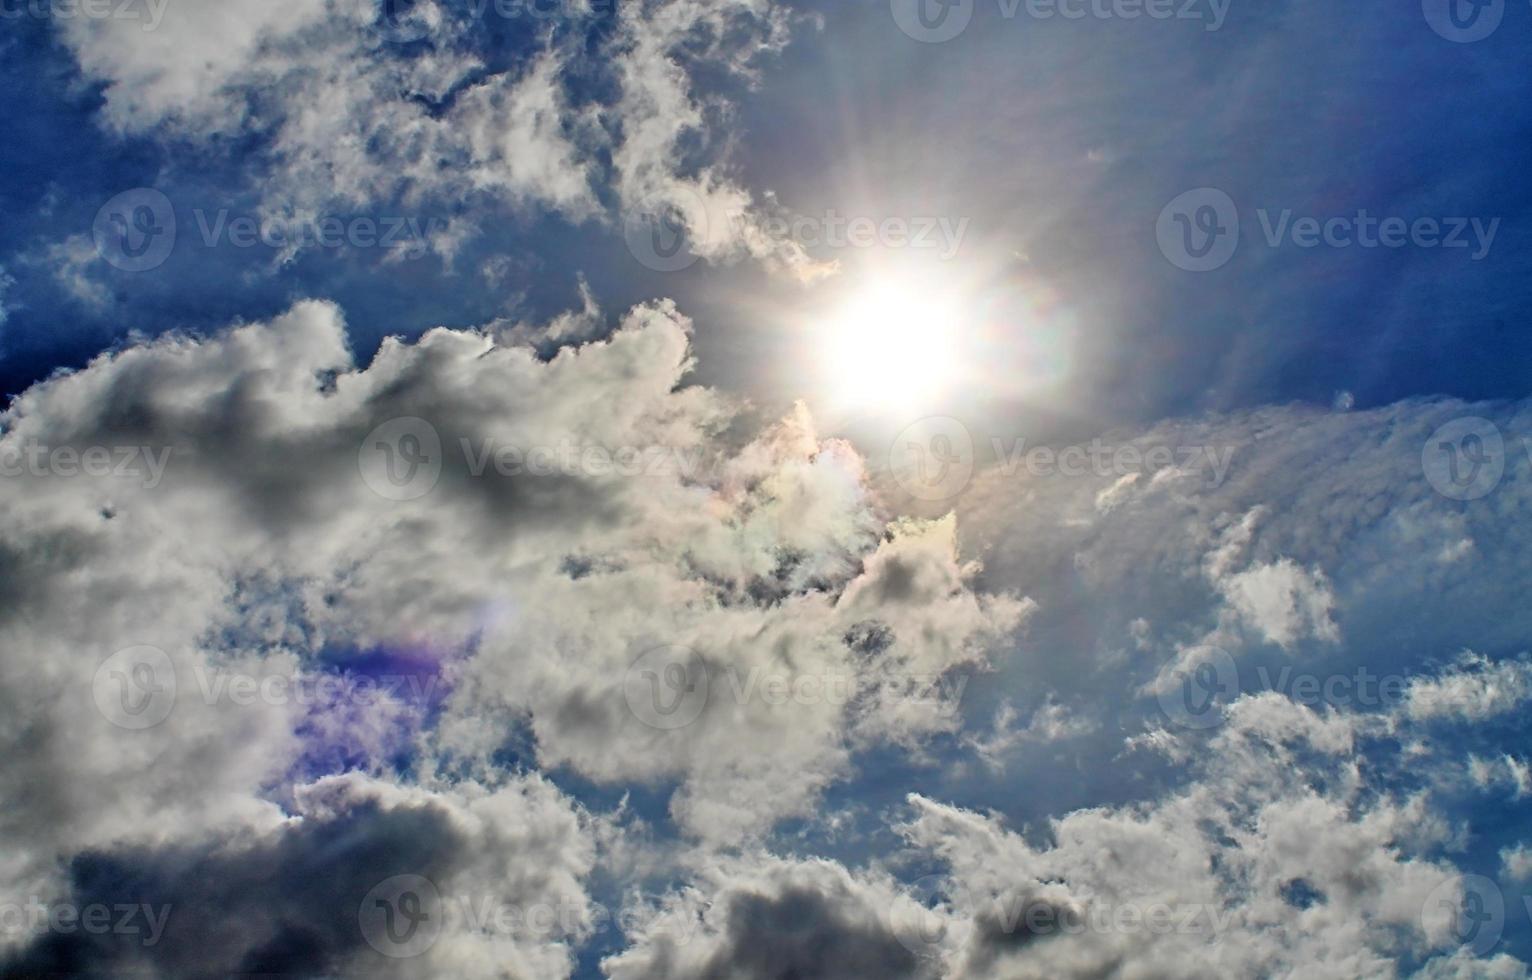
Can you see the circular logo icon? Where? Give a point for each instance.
(401, 459)
(1464, 21)
(661, 229)
(1464, 459)
(1192, 693)
(399, 21)
(929, 915)
(933, 459)
(136, 230)
(135, 688)
(667, 688)
(932, 21)
(1199, 230)
(402, 916)
(1473, 910)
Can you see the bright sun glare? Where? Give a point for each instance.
(891, 346)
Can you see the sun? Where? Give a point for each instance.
(891, 346)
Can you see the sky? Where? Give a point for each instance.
(765, 488)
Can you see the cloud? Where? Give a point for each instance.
(500, 609)
(349, 103)
(769, 917)
(1472, 689)
(1517, 863)
(1052, 722)
(1278, 856)
(300, 896)
(1272, 860)
(1325, 544)
(588, 566)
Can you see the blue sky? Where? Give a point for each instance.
(1123, 402)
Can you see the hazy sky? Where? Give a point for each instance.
(746, 488)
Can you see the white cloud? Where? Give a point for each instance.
(1517, 863)
(262, 550)
(1264, 865)
(346, 117)
(1473, 689)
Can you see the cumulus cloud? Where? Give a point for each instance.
(1517, 862)
(1274, 861)
(572, 559)
(1280, 857)
(763, 916)
(163, 623)
(499, 872)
